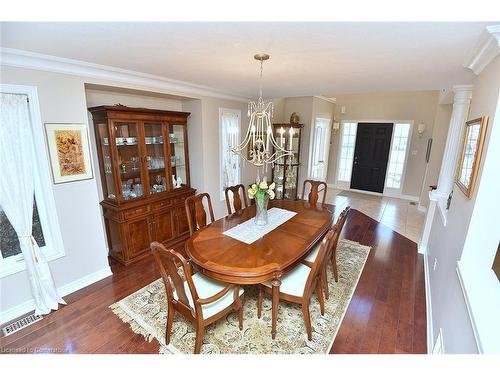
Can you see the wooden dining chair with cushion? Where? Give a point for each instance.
(298, 285)
(332, 254)
(198, 298)
(313, 196)
(195, 211)
(237, 201)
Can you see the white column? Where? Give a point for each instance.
(461, 103)
(439, 197)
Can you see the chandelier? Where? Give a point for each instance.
(264, 149)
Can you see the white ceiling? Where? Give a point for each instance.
(306, 58)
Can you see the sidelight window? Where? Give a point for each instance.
(398, 155)
(348, 142)
(230, 172)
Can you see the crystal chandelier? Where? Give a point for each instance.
(259, 138)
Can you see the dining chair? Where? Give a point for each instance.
(313, 196)
(195, 211)
(332, 254)
(199, 298)
(298, 285)
(237, 202)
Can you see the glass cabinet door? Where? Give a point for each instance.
(129, 161)
(286, 169)
(107, 166)
(178, 155)
(155, 157)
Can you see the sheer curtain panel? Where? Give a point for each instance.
(17, 189)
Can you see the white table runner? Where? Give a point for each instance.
(249, 232)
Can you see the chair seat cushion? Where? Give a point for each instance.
(207, 287)
(311, 257)
(293, 282)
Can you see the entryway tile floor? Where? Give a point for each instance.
(398, 214)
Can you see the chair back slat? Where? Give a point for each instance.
(170, 262)
(338, 229)
(195, 211)
(237, 202)
(313, 196)
(324, 250)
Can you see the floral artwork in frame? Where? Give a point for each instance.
(69, 150)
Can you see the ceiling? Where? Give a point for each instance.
(306, 58)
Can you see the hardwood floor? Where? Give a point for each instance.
(386, 315)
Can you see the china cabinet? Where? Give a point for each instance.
(286, 169)
(144, 167)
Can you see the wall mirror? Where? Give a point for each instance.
(468, 166)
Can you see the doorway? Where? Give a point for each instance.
(371, 155)
(321, 149)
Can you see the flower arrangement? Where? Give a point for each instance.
(259, 191)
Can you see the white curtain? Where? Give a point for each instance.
(17, 188)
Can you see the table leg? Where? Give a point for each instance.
(276, 297)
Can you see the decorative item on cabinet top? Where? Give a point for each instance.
(144, 192)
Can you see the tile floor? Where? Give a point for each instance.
(398, 214)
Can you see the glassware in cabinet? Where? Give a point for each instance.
(178, 163)
(129, 159)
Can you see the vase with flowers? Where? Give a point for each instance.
(261, 192)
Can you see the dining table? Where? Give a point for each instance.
(268, 258)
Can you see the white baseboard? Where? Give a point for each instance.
(64, 290)
(428, 307)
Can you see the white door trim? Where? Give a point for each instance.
(390, 192)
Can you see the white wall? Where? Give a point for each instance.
(62, 99)
(417, 106)
(446, 243)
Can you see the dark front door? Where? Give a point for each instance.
(371, 154)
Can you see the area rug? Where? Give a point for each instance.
(146, 312)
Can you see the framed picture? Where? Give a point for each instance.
(472, 149)
(69, 151)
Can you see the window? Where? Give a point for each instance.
(348, 141)
(45, 223)
(9, 243)
(230, 173)
(398, 155)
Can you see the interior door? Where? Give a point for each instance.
(371, 155)
(321, 148)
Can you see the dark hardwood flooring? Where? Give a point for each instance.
(386, 315)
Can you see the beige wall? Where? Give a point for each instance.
(417, 106)
(142, 99)
(210, 145)
(308, 108)
(65, 98)
(446, 242)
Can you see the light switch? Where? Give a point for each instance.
(414, 152)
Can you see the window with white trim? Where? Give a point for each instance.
(347, 144)
(46, 229)
(230, 170)
(398, 155)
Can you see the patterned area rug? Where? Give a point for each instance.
(146, 312)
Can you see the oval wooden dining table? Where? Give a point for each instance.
(267, 259)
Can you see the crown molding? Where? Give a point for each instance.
(37, 61)
(486, 50)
